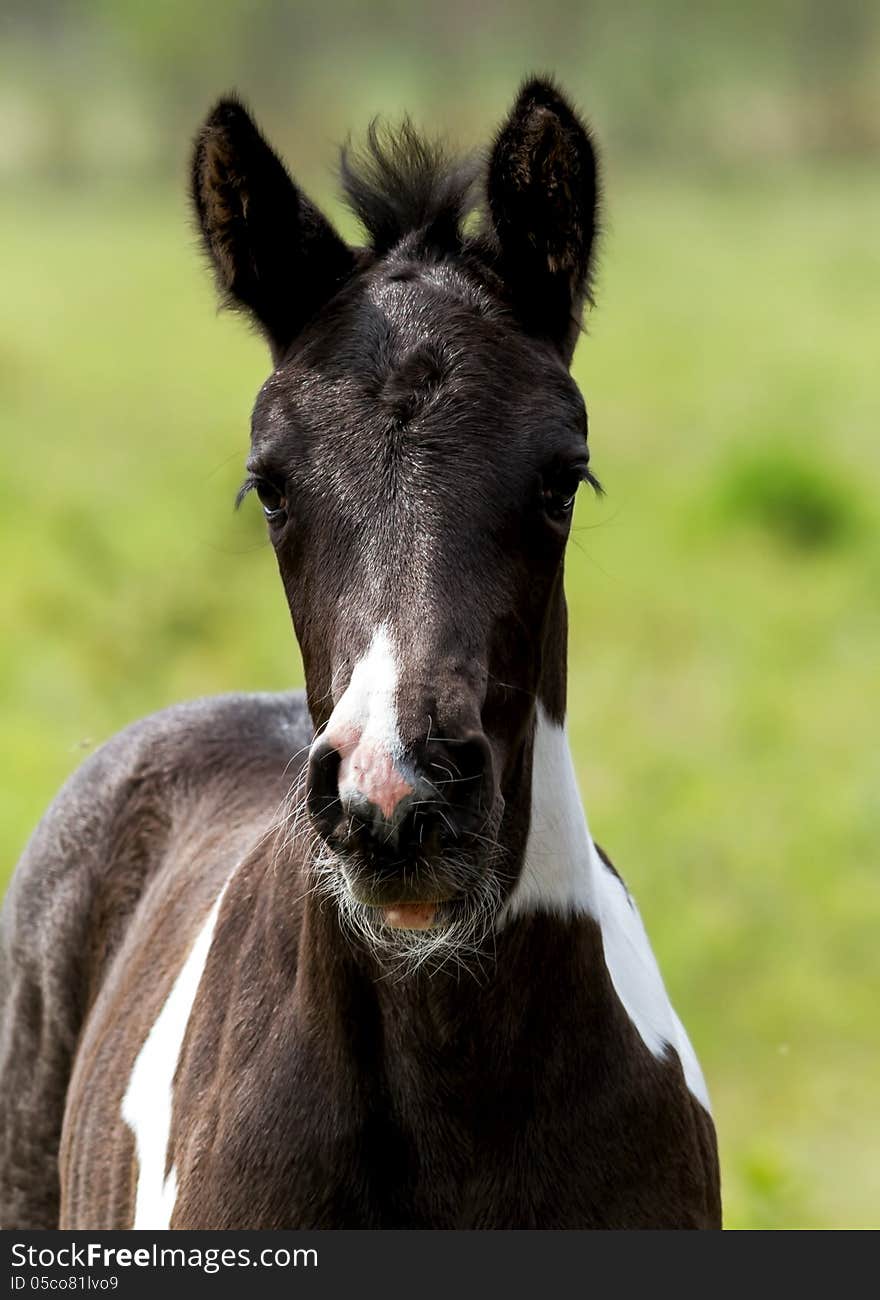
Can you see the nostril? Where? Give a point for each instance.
(462, 770)
(473, 755)
(322, 784)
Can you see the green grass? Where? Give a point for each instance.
(725, 598)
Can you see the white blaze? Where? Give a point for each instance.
(368, 705)
(364, 721)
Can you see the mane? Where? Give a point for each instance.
(401, 183)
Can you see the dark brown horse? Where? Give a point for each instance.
(352, 959)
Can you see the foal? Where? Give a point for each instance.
(353, 959)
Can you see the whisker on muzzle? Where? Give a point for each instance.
(463, 937)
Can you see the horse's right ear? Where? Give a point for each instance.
(274, 254)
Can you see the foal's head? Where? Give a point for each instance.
(417, 451)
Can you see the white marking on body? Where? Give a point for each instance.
(363, 728)
(564, 874)
(148, 1100)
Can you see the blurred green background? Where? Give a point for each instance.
(726, 594)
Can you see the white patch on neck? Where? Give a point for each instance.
(367, 710)
(148, 1100)
(563, 874)
(557, 873)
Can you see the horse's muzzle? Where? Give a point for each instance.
(366, 793)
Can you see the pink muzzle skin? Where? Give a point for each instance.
(369, 769)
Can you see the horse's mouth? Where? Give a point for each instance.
(409, 909)
(412, 916)
(431, 915)
(392, 902)
(428, 908)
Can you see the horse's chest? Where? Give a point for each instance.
(371, 1174)
(351, 1150)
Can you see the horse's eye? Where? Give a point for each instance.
(559, 491)
(272, 500)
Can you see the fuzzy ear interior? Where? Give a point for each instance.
(275, 255)
(543, 196)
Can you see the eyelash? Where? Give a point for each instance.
(559, 503)
(594, 483)
(264, 488)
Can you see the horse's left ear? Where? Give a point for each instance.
(543, 190)
(274, 254)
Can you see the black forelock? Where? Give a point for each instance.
(401, 183)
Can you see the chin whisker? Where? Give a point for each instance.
(462, 941)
